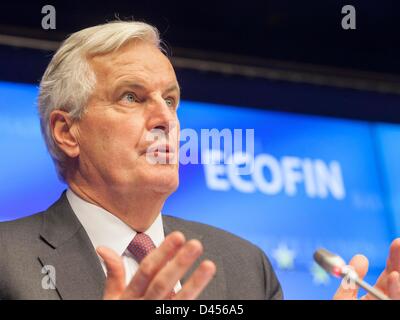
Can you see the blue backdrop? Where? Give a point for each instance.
(319, 182)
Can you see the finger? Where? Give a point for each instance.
(152, 264)
(167, 278)
(393, 262)
(115, 282)
(394, 285)
(350, 292)
(197, 282)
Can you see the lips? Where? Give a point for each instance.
(161, 148)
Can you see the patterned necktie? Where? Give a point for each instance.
(140, 246)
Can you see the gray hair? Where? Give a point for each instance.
(69, 80)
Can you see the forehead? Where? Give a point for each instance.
(137, 60)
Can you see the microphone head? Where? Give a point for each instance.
(330, 262)
(336, 266)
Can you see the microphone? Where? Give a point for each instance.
(336, 266)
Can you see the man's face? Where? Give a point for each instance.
(136, 94)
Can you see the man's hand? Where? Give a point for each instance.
(159, 271)
(388, 282)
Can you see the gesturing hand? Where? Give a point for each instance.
(159, 271)
(388, 282)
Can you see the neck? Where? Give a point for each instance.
(137, 208)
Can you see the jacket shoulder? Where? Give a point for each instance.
(25, 225)
(248, 264)
(208, 232)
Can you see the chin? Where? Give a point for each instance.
(164, 180)
(166, 186)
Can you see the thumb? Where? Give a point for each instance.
(115, 282)
(350, 292)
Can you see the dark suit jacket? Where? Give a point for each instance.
(55, 237)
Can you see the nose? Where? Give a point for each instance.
(161, 116)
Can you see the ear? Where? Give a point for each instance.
(64, 132)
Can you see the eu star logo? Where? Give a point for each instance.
(284, 257)
(320, 276)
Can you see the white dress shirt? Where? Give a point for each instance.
(106, 229)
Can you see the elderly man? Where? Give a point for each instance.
(105, 92)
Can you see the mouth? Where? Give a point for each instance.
(161, 154)
(161, 148)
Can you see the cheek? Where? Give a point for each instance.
(123, 140)
(112, 139)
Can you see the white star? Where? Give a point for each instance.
(320, 276)
(284, 257)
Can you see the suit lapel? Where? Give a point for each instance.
(216, 289)
(79, 274)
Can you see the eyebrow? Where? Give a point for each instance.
(132, 84)
(174, 87)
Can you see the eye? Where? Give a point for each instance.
(130, 97)
(170, 102)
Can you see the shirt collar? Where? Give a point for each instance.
(105, 229)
